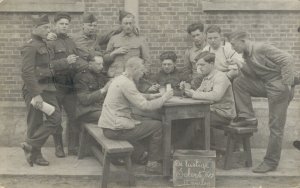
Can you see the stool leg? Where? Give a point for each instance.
(247, 150)
(229, 152)
(82, 143)
(131, 178)
(105, 171)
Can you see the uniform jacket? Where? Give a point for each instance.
(174, 78)
(136, 48)
(88, 85)
(268, 63)
(64, 46)
(36, 73)
(117, 108)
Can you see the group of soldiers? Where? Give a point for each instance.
(106, 77)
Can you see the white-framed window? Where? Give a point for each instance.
(41, 5)
(250, 5)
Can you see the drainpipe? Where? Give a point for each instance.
(132, 6)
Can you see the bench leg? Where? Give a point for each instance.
(82, 143)
(105, 171)
(247, 150)
(131, 178)
(229, 152)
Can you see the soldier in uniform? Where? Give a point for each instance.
(196, 31)
(91, 87)
(68, 60)
(89, 40)
(38, 88)
(268, 72)
(125, 45)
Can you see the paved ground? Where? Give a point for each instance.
(70, 172)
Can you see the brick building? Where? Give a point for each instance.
(162, 22)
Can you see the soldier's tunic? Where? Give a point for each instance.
(38, 80)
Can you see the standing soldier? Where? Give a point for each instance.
(67, 61)
(196, 31)
(270, 74)
(38, 88)
(125, 45)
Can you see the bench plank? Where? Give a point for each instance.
(111, 146)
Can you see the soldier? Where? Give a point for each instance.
(91, 86)
(268, 72)
(38, 88)
(125, 45)
(68, 60)
(89, 40)
(196, 31)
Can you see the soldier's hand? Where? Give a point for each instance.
(154, 88)
(37, 102)
(72, 58)
(189, 92)
(51, 36)
(168, 94)
(119, 51)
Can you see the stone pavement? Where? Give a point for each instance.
(13, 164)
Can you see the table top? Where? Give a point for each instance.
(180, 101)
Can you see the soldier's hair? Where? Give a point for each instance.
(206, 56)
(213, 29)
(133, 62)
(195, 26)
(240, 35)
(168, 55)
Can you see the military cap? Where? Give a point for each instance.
(237, 35)
(89, 18)
(123, 14)
(60, 15)
(41, 20)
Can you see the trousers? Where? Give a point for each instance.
(278, 96)
(39, 125)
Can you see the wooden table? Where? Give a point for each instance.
(183, 108)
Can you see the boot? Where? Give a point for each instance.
(59, 148)
(39, 159)
(28, 152)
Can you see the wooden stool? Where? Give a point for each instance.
(235, 135)
(110, 149)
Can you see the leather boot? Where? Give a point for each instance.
(38, 158)
(28, 152)
(59, 148)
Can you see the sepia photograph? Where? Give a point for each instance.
(150, 93)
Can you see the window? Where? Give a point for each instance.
(41, 5)
(250, 5)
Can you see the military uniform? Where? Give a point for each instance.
(64, 73)
(38, 80)
(136, 46)
(90, 98)
(269, 73)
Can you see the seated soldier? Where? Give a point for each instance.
(116, 117)
(91, 87)
(168, 74)
(215, 87)
(182, 131)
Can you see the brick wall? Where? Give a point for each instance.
(163, 22)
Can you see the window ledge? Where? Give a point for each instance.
(41, 7)
(229, 5)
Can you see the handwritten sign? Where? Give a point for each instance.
(194, 168)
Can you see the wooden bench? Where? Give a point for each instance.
(110, 149)
(237, 135)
